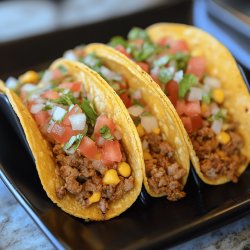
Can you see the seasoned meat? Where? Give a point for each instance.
(81, 177)
(217, 159)
(163, 172)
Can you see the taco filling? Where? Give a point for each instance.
(197, 97)
(164, 174)
(86, 146)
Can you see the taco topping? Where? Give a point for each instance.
(86, 146)
(164, 174)
(197, 97)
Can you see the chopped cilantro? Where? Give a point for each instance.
(144, 52)
(180, 60)
(89, 111)
(120, 91)
(137, 102)
(206, 98)
(117, 40)
(66, 99)
(165, 75)
(47, 107)
(137, 33)
(73, 143)
(186, 83)
(220, 115)
(105, 133)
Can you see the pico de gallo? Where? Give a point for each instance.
(197, 97)
(164, 174)
(86, 146)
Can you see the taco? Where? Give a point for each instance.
(202, 80)
(87, 152)
(165, 153)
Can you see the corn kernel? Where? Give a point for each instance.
(218, 95)
(29, 77)
(147, 155)
(124, 169)
(140, 130)
(95, 197)
(111, 177)
(223, 137)
(204, 108)
(156, 131)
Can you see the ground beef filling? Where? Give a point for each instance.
(164, 174)
(81, 177)
(216, 159)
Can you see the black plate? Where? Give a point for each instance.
(149, 223)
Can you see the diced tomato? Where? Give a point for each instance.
(121, 49)
(172, 91)
(88, 148)
(75, 110)
(73, 86)
(196, 122)
(50, 94)
(126, 99)
(187, 123)
(61, 133)
(101, 121)
(144, 66)
(196, 66)
(180, 107)
(111, 151)
(192, 108)
(41, 118)
(174, 45)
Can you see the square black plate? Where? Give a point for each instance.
(149, 223)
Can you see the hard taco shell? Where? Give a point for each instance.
(157, 101)
(220, 64)
(105, 101)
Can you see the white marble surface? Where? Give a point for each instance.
(18, 231)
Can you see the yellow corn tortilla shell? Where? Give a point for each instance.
(220, 64)
(105, 101)
(158, 103)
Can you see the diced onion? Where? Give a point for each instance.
(50, 125)
(47, 76)
(110, 75)
(36, 108)
(77, 121)
(214, 108)
(211, 82)
(11, 82)
(135, 110)
(117, 135)
(149, 123)
(178, 76)
(195, 94)
(171, 70)
(70, 55)
(155, 71)
(28, 87)
(137, 94)
(58, 113)
(144, 144)
(216, 126)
